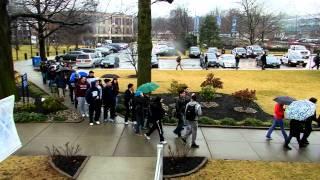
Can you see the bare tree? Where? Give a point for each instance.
(48, 16)
(132, 56)
(269, 25)
(249, 19)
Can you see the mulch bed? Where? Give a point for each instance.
(182, 166)
(69, 165)
(225, 109)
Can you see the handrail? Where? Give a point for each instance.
(159, 166)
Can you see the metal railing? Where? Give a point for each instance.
(159, 166)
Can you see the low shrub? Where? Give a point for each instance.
(35, 91)
(59, 118)
(24, 108)
(175, 87)
(208, 121)
(252, 122)
(245, 97)
(24, 117)
(228, 122)
(212, 81)
(169, 120)
(207, 93)
(51, 105)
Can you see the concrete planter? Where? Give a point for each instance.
(75, 176)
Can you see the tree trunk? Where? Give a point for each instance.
(144, 42)
(7, 83)
(42, 43)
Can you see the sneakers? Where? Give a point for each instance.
(91, 124)
(147, 137)
(98, 122)
(83, 115)
(126, 123)
(268, 138)
(163, 142)
(194, 146)
(287, 147)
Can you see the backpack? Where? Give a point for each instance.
(191, 113)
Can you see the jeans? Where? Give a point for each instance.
(192, 128)
(112, 108)
(140, 122)
(277, 122)
(179, 127)
(82, 105)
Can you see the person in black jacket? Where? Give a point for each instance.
(44, 71)
(115, 88)
(180, 111)
(109, 101)
(263, 60)
(308, 124)
(296, 127)
(128, 102)
(139, 104)
(158, 113)
(94, 99)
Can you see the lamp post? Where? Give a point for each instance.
(145, 40)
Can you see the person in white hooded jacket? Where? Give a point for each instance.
(192, 114)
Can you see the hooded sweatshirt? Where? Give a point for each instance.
(93, 94)
(81, 89)
(198, 108)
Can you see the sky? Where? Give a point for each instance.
(202, 7)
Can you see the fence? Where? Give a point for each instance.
(159, 167)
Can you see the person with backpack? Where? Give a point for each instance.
(178, 63)
(94, 99)
(316, 61)
(158, 113)
(180, 111)
(128, 103)
(193, 111)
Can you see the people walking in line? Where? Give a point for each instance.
(206, 62)
(179, 63)
(264, 60)
(139, 103)
(316, 61)
(94, 99)
(277, 121)
(180, 112)
(80, 92)
(158, 113)
(296, 127)
(192, 113)
(128, 103)
(308, 124)
(44, 71)
(115, 88)
(237, 61)
(61, 82)
(109, 101)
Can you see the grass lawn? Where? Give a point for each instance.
(232, 169)
(26, 49)
(268, 84)
(28, 167)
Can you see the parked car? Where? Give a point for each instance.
(86, 50)
(302, 50)
(154, 61)
(110, 61)
(272, 61)
(70, 56)
(254, 51)
(194, 52)
(227, 61)
(112, 48)
(115, 46)
(212, 60)
(88, 60)
(242, 52)
(214, 50)
(104, 51)
(294, 59)
(160, 49)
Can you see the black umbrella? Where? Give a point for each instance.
(110, 76)
(65, 69)
(286, 100)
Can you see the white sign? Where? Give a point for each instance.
(9, 139)
(34, 39)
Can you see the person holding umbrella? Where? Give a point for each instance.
(279, 115)
(298, 112)
(308, 124)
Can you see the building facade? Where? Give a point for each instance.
(115, 27)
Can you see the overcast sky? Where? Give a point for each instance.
(202, 7)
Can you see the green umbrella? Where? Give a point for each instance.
(148, 87)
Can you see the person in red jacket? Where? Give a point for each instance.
(80, 92)
(277, 121)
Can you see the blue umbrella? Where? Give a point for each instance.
(300, 110)
(76, 75)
